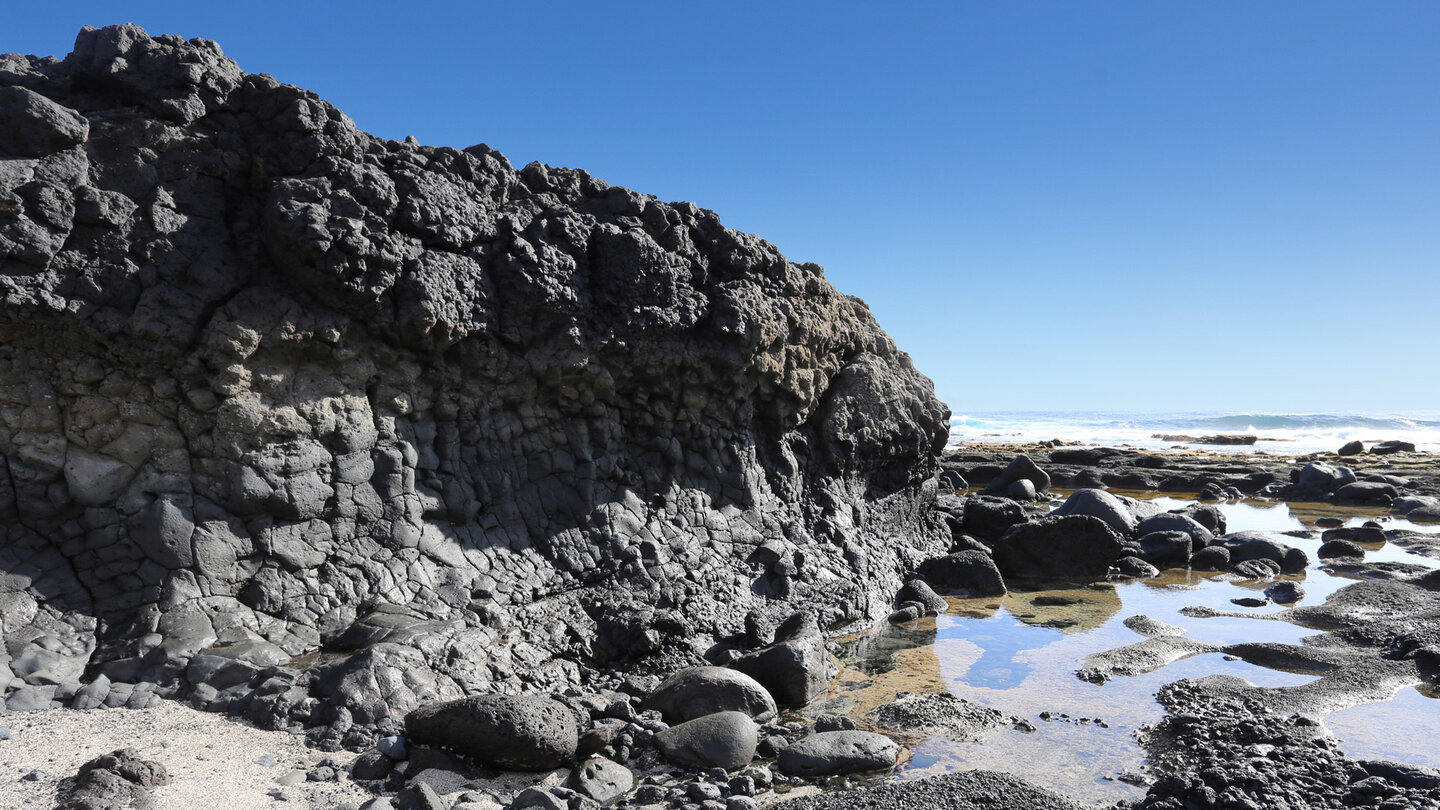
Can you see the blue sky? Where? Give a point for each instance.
(1051, 205)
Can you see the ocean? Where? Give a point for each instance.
(1278, 433)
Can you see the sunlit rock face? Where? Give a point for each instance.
(263, 375)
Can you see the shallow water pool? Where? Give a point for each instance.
(1019, 654)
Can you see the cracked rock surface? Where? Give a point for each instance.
(270, 384)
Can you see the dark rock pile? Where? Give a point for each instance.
(314, 427)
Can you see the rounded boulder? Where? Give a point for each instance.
(721, 740)
(837, 752)
(524, 733)
(698, 691)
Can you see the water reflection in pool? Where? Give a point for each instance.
(1018, 654)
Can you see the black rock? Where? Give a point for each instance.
(722, 740)
(698, 691)
(304, 367)
(506, 731)
(838, 752)
(1285, 592)
(796, 667)
(1340, 548)
(1167, 547)
(1392, 447)
(1100, 504)
(1370, 493)
(1070, 547)
(1351, 448)
(1135, 567)
(967, 573)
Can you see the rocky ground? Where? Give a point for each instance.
(725, 737)
(470, 471)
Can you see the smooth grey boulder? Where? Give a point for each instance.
(1200, 536)
(1339, 548)
(964, 573)
(837, 752)
(796, 667)
(1163, 548)
(721, 740)
(1063, 547)
(1371, 493)
(918, 591)
(522, 733)
(1100, 504)
(1135, 567)
(1319, 477)
(1020, 468)
(698, 691)
(1211, 558)
(1253, 545)
(601, 779)
(1392, 447)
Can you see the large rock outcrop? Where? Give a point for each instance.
(269, 383)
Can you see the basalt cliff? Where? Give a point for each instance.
(316, 425)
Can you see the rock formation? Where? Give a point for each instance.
(270, 384)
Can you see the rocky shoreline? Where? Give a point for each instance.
(511, 488)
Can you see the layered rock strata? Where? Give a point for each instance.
(269, 384)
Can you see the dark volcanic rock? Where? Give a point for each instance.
(1069, 547)
(1100, 504)
(722, 740)
(796, 667)
(521, 733)
(832, 752)
(1392, 447)
(120, 779)
(970, 790)
(263, 370)
(967, 573)
(696, 692)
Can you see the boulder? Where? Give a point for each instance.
(1285, 592)
(1135, 568)
(1369, 493)
(916, 590)
(837, 752)
(1200, 536)
(1021, 468)
(1211, 558)
(1339, 548)
(1167, 547)
(988, 517)
(524, 733)
(1355, 534)
(1319, 477)
(964, 573)
(1252, 545)
(698, 691)
(601, 779)
(1064, 547)
(1351, 448)
(1100, 504)
(721, 740)
(796, 667)
(1392, 447)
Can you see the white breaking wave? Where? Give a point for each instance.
(1276, 433)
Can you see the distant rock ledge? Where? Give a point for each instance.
(270, 384)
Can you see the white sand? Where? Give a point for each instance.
(211, 758)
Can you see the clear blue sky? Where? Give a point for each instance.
(1050, 205)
